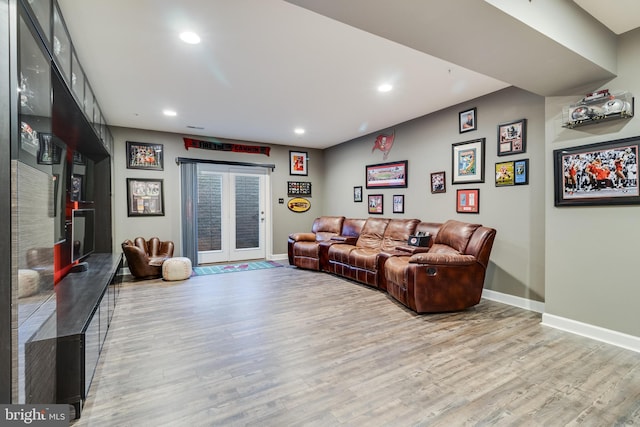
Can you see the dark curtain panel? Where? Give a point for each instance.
(189, 187)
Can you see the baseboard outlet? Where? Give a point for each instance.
(520, 302)
(597, 333)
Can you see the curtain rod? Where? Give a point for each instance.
(180, 160)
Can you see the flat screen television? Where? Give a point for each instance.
(82, 233)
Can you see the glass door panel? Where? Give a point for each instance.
(230, 214)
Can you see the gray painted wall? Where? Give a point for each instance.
(167, 227)
(591, 272)
(517, 260)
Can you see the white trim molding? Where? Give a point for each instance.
(520, 302)
(279, 257)
(629, 342)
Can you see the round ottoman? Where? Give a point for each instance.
(28, 283)
(178, 268)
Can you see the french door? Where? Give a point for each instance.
(230, 213)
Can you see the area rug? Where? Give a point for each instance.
(231, 268)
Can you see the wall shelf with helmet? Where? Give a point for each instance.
(598, 107)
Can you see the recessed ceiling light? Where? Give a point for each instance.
(299, 131)
(385, 88)
(190, 37)
(169, 113)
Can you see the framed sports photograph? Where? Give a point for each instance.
(298, 163)
(468, 201)
(357, 194)
(398, 203)
(438, 182)
(376, 204)
(467, 120)
(143, 155)
(387, 175)
(512, 137)
(597, 174)
(505, 174)
(145, 197)
(521, 170)
(468, 161)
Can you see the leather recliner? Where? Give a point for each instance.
(303, 248)
(145, 258)
(450, 276)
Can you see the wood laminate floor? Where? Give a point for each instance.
(288, 347)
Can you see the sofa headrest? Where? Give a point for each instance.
(328, 224)
(456, 234)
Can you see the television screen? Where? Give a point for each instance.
(82, 233)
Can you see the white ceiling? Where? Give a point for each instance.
(264, 67)
(619, 16)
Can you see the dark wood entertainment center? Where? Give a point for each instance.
(85, 304)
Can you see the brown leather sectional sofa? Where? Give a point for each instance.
(446, 275)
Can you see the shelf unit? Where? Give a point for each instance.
(598, 107)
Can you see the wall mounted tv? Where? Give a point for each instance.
(82, 233)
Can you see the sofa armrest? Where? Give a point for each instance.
(412, 249)
(442, 259)
(345, 239)
(303, 237)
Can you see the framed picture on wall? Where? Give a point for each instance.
(521, 168)
(298, 163)
(398, 203)
(438, 182)
(468, 161)
(467, 120)
(77, 187)
(597, 174)
(468, 201)
(143, 155)
(387, 175)
(512, 137)
(376, 204)
(357, 194)
(49, 153)
(145, 197)
(505, 174)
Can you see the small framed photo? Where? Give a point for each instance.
(77, 190)
(357, 194)
(143, 155)
(468, 161)
(78, 158)
(376, 204)
(298, 163)
(438, 182)
(298, 189)
(49, 153)
(512, 137)
(468, 201)
(145, 197)
(467, 120)
(398, 203)
(521, 168)
(505, 174)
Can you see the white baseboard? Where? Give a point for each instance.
(279, 257)
(608, 336)
(525, 303)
